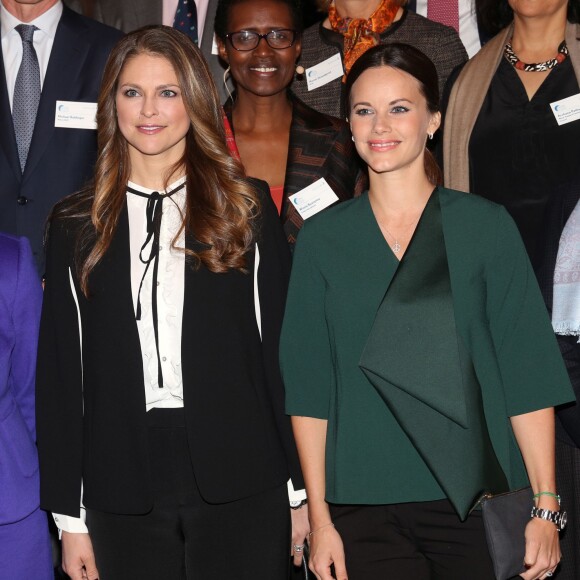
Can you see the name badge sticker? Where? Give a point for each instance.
(314, 198)
(566, 110)
(322, 73)
(75, 115)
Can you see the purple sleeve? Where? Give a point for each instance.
(26, 318)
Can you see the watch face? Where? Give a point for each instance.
(295, 504)
(563, 520)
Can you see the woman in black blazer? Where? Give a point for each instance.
(159, 395)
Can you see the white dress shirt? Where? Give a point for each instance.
(468, 30)
(170, 7)
(43, 40)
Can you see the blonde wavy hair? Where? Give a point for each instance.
(221, 205)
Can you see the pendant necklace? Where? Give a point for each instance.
(396, 247)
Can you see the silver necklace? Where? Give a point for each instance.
(396, 247)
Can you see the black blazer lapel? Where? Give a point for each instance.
(7, 137)
(114, 270)
(67, 57)
(112, 300)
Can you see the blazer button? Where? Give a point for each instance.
(22, 200)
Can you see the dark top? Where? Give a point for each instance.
(91, 414)
(531, 155)
(440, 43)
(417, 361)
(536, 170)
(341, 271)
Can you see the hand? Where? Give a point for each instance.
(78, 559)
(326, 549)
(300, 529)
(542, 549)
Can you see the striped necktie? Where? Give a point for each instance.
(186, 19)
(444, 11)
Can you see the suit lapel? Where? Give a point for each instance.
(67, 57)
(7, 137)
(110, 283)
(208, 33)
(115, 267)
(199, 289)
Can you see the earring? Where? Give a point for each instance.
(352, 137)
(299, 70)
(226, 75)
(430, 135)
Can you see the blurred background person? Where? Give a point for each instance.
(51, 57)
(352, 27)
(192, 17)
(459, 14)
(280, 139)
(24, 540)
(507, 137)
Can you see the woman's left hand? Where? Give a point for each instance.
(542, 549)
(300, 529)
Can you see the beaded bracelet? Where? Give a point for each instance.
(550, 494)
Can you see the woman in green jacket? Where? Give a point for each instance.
(419, 362)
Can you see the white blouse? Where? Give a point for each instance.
(170, 289)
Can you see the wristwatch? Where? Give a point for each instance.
(297, 504)
(559, 518)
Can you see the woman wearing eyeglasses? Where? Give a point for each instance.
(280, 139)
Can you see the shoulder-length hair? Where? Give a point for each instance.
(221, 205)
(493, 15)
(412, 61)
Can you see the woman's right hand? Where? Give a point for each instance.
(78, 558)
(326, 549)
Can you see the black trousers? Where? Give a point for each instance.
(412, 541)
(184, 537)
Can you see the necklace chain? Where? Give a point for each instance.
(536, 66)
(396, 247)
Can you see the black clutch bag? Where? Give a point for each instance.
(505, 517)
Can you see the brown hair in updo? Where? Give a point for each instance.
(412, 61)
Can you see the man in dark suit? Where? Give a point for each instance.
(128, 15)
(57, 158)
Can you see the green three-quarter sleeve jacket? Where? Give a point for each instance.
(341, 272)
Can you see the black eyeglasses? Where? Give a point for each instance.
(248, 40)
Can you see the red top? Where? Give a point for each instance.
(277, 194)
